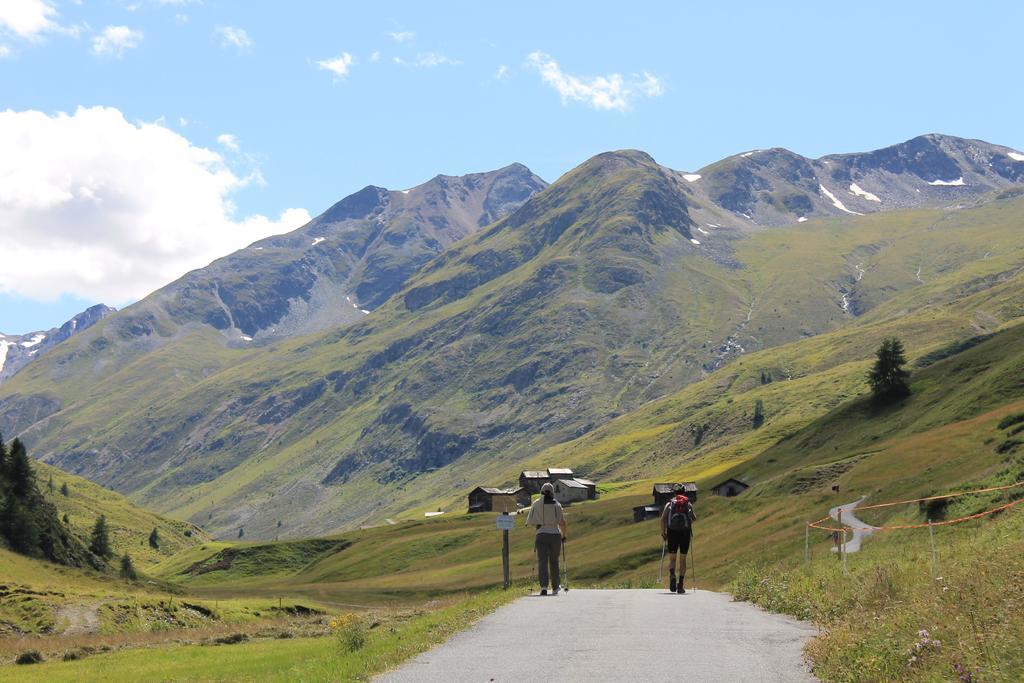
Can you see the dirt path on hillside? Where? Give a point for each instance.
(79, 619)
(620, 635)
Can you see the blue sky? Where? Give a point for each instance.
(292, 106)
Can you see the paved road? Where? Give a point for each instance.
(853, 538)
(620, 635)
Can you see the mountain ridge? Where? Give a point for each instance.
(603, 291)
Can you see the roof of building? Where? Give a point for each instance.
(496, 492)
(670, 488)
(553, 471)
(586, 482)
(731, 479)
(534, 474)
(572, 484)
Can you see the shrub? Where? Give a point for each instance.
(29, 657)
(351, 631)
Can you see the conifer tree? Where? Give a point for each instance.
(19, 528)
(241, 532)
(887, 378)
(99, 542)
(64, 490)
(154, 539)
(128, 568)
(49, 484)
(20, 476)
(758, 413)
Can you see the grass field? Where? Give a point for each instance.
(391, 637)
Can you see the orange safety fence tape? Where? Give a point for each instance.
(818, 524)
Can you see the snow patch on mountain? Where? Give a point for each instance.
(318, 240)
(835, 202)
(697, 242)
(1016, 156)
(861, 192)
(694, 177)
(802, 219)
(958, 181)
(703, 231)
(33, 341)
(3, 353)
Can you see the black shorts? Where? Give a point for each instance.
(679, 540)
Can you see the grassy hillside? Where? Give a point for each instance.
(129, 524)
(938, 440)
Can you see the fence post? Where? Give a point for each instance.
(807, 544)
(842, 541)
(935, 557)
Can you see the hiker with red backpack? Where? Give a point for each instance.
(676, 530)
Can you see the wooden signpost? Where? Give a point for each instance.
(505, 522)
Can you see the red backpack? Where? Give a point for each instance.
(679, 513)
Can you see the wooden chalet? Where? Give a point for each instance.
(729, 488)
(489, 499)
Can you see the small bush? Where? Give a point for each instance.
(1011, 420)
(351, 631)
(29, 657)
(1008, 446)
(233, 639)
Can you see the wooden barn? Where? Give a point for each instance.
(663, 493)
(568, 491)
(532, 480)
(488, 499)
(729, 488)
(591, 488)
(642, 512)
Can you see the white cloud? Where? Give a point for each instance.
(182, 121)
(233, 36)
(4, 51)
(501, 73)
(339, 66)
(375, 56)
(97, 207)
(27, 18)
(600, 92)
(180, 19)
(428, 60)
(402, 36)
(228, 141)
(115, 40)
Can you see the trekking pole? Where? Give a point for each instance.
(565, 570)
(693, 562)
(661, 566)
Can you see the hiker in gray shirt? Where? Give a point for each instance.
(547, 516)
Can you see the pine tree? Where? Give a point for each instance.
(49, 484)
(128, 568)
(99, 542)
(3, 458)
(19, 471)
(887, 378)
(67, 520)
(64, 490)
(758, 413)
(154, 539)
(241, 532)
(19, 528)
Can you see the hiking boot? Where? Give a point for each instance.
(672, 583)
(543, 591)
(680, 589)
(554, 591)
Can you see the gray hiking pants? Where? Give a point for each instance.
(548, 547)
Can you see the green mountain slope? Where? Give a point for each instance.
(585, 304)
